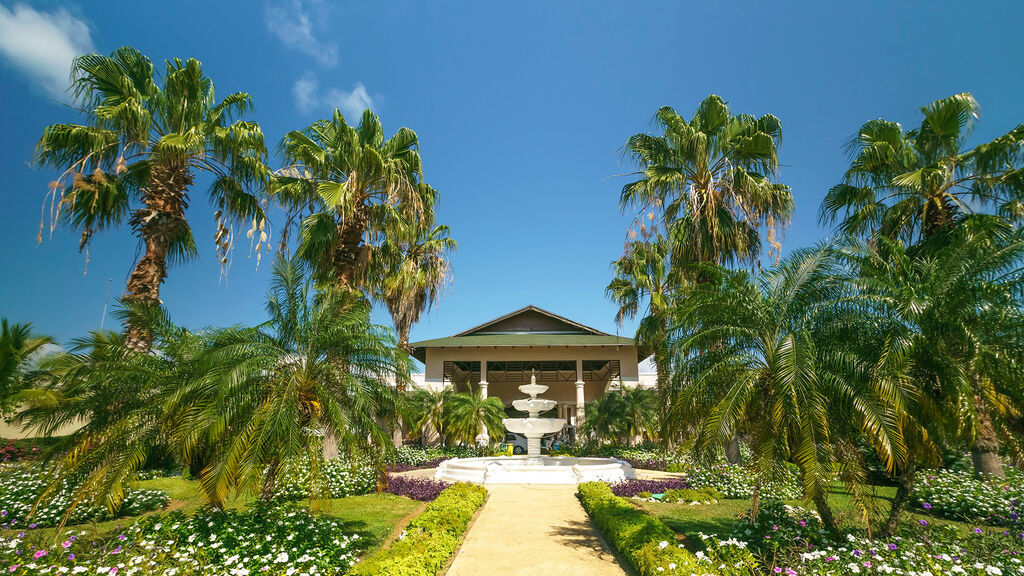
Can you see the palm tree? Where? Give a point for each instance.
(910, 185)
(644, 274)
(115, 397)
(427, 410)
(711, 181)
(343, 182)
(18, 347)
(135, 156)
(468, 415)
(639, 409)
(774, 359)
(955, 323)
(272, 393)
(603, 418)
(411, 270)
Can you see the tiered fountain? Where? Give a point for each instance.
(533, 468)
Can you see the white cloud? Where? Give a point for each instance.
(309, 98)
(42, 45)
(292, 23)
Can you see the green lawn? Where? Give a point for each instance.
(372, 516)
(722, 518)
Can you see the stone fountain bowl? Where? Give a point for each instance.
(527, 470)
(534, 405)
(533, 426)
(533, 389)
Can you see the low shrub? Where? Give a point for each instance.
(431, 538)
(641, 539)
(631, 488)
(422, 489)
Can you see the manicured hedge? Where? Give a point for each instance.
(641, 539)
(430, 539)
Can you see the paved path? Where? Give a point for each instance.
(530, 530)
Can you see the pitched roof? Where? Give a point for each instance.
(560, 323)
(528, 326)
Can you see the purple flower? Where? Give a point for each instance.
(857, 553)
(977, 530)
(924, 522)
(926, 506)
(892, 546)
(71, 556)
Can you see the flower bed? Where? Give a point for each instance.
(20, 488)
(261, 540)
(630, 488)
(961, 495)
(733, 481)
(422, 489)
(338, 478)
(431, 538)
(430, 457)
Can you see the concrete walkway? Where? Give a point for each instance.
(533, 529)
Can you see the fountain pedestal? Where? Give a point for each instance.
(533, 468)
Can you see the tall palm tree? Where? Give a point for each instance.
(410, 269)
(18, 347)
(343, 182)
(711, 181)
(469, 414)
(644, 277)
(135, 156)
(773, 359)
(955, 322)
(913, 184)
(272, 393)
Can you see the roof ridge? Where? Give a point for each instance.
(527, 308)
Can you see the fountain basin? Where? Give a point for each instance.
(534, 405)
(533, 470)
(533, 426)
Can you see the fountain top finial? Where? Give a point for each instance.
(533, 389)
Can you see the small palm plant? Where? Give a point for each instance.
(468, 415)
(19, 346)
(134, 158)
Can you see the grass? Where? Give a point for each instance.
(372, 516)
(723, 518)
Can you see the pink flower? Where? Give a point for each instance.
(66, 543)
(40, 553)
(13, 567)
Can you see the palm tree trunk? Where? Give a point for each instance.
(269, 480)
(825, 511)
(350, 250)
(403, 343)
(899, 502)
(732, 451)
(985, 452)
(158, 224)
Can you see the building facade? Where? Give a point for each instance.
(577, 363)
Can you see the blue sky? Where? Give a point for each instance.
(521, 109)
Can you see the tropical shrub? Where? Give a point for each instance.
(266, 540)
(431, 538)
(338, 478)
(422, 489)
(429, 457)
(781, 531)
(21, 486)
(962, 495)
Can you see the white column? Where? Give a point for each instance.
(483, 438)
(580, 410)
